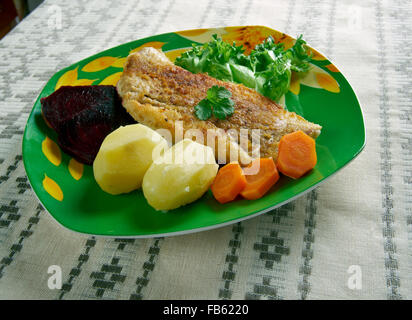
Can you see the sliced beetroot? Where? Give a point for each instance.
(83, 116)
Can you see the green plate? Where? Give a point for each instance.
(70, 194)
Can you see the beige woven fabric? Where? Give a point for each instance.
(360, 220)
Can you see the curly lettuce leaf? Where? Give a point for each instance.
(268, 68)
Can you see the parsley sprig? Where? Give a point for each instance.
(217, 102)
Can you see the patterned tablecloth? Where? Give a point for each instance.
(351, 238)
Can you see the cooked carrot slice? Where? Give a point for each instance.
(297, 154)
(260, 183)
(229, 182)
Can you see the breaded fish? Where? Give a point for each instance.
(161, 95)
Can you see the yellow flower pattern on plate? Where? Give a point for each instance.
(76, 169)
(119, 63)
(51, 151)
(201, 35)
(154, 44)
(112, 79)
(99, 64)
(69, 78)
(173, 54)
(52, 188)
(315, 78)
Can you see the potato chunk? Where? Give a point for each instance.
(182, 175)
(124, 157)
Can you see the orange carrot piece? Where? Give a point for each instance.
(297, 154)
(260, 183)
(229, 182)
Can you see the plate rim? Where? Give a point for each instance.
(209, 227)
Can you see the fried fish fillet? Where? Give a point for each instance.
(161, 95)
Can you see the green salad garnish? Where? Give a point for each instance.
(267, 69)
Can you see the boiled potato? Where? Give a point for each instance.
(124, 157)
(182, 175)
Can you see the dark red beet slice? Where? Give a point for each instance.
(83, 116)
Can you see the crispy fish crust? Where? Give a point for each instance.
(161, 95)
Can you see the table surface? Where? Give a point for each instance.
(351, 238)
